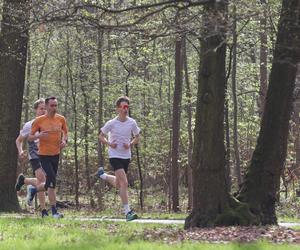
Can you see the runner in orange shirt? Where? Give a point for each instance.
(53, 136)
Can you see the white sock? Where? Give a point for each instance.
(103, 176)
(126, 208)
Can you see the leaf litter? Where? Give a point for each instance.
(274, 234)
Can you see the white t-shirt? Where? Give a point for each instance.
(32, 145)
(120, 133)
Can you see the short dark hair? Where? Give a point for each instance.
(122, 99)
(50, 98)
(38, 102)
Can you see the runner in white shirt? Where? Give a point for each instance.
(39, 109)
(117, 134)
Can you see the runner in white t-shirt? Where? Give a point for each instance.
(39, 108)
(117, 134)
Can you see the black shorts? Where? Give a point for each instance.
(118, 163)
(50, 167)
(35, 165)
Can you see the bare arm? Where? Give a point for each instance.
(64, 140)
(104, 141)
(135, 140)
(19, 144)
(32, 137)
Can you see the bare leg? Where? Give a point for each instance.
(39, 173)
(111, 179)
(30, 181)
(121, 179)
(52, 196)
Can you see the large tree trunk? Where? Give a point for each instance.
(263, 176)
(13, 50)
(174, 176)
(208, 162)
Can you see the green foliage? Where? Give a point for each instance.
(142, 58)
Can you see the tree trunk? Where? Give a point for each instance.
(27, 91)
(73, 86)
(100, 110)
(237, 166)
(43, 66)
(263, 60)
(176, 124)
(263, 176)
(190, 129)
(296, 118)
(13, 52)
(210, 193)
(227, 128)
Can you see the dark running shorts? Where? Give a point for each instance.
(118, 163)
(50, 167)
(35, 165)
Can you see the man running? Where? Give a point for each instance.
(119, 131)
(53, 136)
(39, 109)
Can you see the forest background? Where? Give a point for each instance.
(87, 57)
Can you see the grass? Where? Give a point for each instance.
(289, 219)
(35, 233)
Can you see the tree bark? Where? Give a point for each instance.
(296, 118)
(208, 161)
(41, 70)
(190, 129)
(74, 95)
(263, 67)
(100, 109)
(174, 177)
(237, 166)
(13, 53)
(27, 91)
(263, 176)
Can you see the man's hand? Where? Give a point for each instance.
(63, 144)
(43, 134)
(112, 144)
(126, 145)
(23, 155)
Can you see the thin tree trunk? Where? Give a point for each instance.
(296, 119)
(73, 86)
(27, 92)
(43, 65)
(100, 109)
(176, 124)
(83, 79)
(189, 127)
(227, 127)
(263, 66)
(168, 170)
(237, 166)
